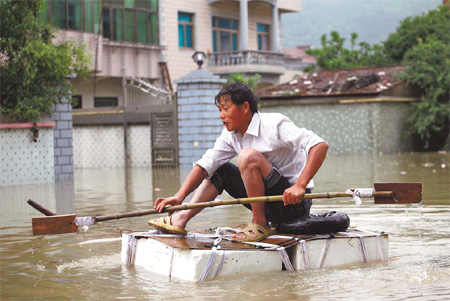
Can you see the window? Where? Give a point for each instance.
(74, 17)
(79, 101)
(72, 14)
(263, 37)
(122, 20)
(224, 34)
(105, 102)
(131, 20)
(185, 30)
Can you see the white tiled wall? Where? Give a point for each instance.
(102, 146)
(139, 146)
(23, 161)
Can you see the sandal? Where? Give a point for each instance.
(164, 225)
(258, 230)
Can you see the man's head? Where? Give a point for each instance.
(237, 104)
(238, 93)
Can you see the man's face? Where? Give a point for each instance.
(234, 117)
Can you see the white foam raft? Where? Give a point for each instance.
(194, 257)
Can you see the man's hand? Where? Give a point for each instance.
(193, 180)
(293, 195)
(163, 202)
(316, 155)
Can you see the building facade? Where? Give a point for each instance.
(140, 49)
(155, 40)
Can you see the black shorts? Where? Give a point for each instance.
(228, 178)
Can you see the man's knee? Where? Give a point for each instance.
(248, 157)
(251, 158)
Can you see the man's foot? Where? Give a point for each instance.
(164, 224)
(253, 232)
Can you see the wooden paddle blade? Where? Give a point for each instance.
(404, 193)
(57, 224)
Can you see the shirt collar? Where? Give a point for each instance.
(253, 127)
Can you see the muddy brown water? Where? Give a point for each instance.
(64, 267)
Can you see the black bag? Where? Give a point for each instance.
(317, 223)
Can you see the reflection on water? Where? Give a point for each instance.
(62, 267)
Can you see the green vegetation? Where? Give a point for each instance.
(430, 71)
(251, 81)
(333, 55)
(34, 70)
(423, 44)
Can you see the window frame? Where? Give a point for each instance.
(49, 7)
(262, 34)
(114, 99)
(185, 24)
(135, 37)
(92, 9)
(217, 30)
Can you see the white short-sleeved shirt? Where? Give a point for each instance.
(272, 134)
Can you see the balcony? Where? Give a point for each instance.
(253, 61)
(248, 61)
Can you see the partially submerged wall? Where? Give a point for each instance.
(103, 146)
(26, 153)
(353, 128)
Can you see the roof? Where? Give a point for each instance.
(373, 80)
(299, 52)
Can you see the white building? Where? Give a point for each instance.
(137, 38)
(126, 108)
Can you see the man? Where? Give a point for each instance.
(274, 157)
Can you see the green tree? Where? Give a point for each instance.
(423, 44)
(430, 71)
(251, 81)
(333, 55)
(432, 26)
(34, 70)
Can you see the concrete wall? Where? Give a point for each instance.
(360, 128)
(23, 161)
(103, 146)
(116, 59)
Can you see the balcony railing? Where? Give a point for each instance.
(253, 57)
(248, 57)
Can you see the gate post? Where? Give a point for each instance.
(198, 118)
(62, 134)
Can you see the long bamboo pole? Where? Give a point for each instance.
(275, 198)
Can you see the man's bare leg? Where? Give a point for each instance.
(205, 192)
(254, 168)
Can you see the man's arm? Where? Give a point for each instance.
(316, 156)
(193, 180)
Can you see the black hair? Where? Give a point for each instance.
(239, 93)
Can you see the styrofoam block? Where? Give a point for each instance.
(341, 251)
(188, 264)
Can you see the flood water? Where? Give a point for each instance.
(65, 267)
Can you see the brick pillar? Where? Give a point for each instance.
(62, 139)
(198, 118)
